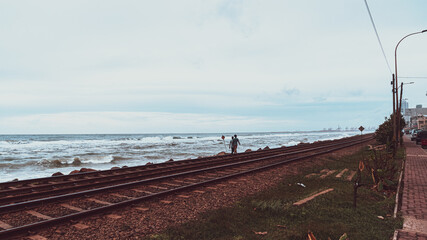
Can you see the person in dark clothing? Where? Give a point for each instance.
(235, 142)
(231, 146)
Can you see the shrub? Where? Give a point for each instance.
(384, 133)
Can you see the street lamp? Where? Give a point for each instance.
(396, 122)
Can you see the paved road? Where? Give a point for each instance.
(414, 199)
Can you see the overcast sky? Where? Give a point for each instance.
(204, 66)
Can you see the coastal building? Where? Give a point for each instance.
(412, 115)
(421, 122)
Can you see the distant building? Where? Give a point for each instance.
(405, 106)
(411, 116)
(422, 122)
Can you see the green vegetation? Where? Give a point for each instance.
(384, 133)
(272, 215)
(384, 169)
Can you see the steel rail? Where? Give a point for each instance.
(151, 167)
(126, 176)
(19, 230)
(31, 203)
(116, 181)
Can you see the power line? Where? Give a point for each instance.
(378, 37)
(414, 77)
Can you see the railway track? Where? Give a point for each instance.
(31, 204)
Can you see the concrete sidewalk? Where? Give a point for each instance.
(414, 198)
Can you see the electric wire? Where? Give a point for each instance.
(378, 37)
(415, 77)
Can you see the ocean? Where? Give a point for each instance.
(33, 156)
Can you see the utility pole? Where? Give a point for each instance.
(400, 110)
(400, 115)
(394, 118)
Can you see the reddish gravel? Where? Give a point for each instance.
(52, 210)
(134, 223)
(15, 219)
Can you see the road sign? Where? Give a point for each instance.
(361, 128)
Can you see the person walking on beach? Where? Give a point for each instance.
(230, 145)
(235, 142)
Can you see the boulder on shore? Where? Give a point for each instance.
(87, 170)
(56, 163)
(57, 174)
(76, 161)
(267, 148)
(221, 154)
(248, 150)
(74, 172)
(114, 168)
(149, 163)
(170, 160)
